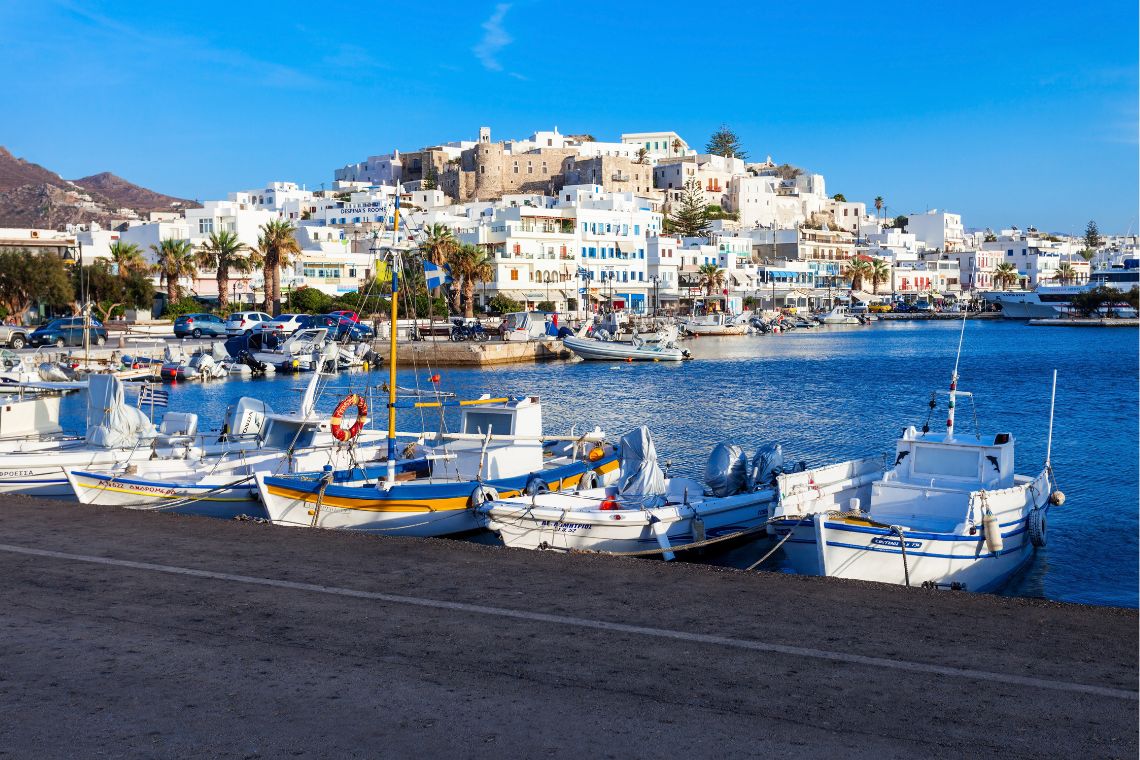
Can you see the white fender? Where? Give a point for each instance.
(992, 528)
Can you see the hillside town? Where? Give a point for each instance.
(572, 224)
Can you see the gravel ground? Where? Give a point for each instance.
(99, 660)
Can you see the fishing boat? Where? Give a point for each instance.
(220, 483)
(500, 449)
(645, 513)
(948, 513)
(599, 347)
(715, 324)
(840, 315)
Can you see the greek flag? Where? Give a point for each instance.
(436, 276)
(149, 395)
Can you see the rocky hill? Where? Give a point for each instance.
(32, 196)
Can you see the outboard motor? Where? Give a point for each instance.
(258, 367)
(767, 463)
(727, 470)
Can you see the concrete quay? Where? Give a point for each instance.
(136, 634)
(1074, 322)
(470, 354)
(890, 316)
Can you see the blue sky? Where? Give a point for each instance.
(1009, 113)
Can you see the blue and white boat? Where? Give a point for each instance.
(948, 513)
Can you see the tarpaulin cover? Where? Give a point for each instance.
(640, 481)
(727, 470)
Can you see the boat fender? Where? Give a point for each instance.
(481, 495)
(1057, 498)
(588, 480)
(698, 528)
(992, 530)
(337, 419)
(535, 486)
(1035, 526)
(596, 453)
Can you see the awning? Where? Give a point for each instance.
(515, 295)
(781, 273)
(863, 296)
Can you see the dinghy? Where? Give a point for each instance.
(599, 347)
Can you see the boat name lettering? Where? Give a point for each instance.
(17, 473)
(894, 542)
(562, 527)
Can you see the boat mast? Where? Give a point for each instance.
(391, 479)
(954, 383)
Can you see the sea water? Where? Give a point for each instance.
(835, 393)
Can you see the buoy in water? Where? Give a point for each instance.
(1057, 498)
(992, 529)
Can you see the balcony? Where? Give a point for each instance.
(619, 177)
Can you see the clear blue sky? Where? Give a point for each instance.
(1009, 113)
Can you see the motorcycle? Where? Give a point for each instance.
(462, 330)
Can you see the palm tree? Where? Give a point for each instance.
(879, 205)
(469, 265)
(1066, 273)
(1005, 274)
(275, 247)
(677, 145)
(224, 252)
(857, 270)
(642, 156)
(128, 257)
(880, 272)
(710, 277)
(438, 245)
(175, 261)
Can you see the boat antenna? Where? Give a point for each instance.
(391, 479)
(954, 383)
(1052, 404)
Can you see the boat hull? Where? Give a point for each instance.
(226, 497)
(428, 508)
(657, 530)
(600, 350)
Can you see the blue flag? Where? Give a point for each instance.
(436, 276)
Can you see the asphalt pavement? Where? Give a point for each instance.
(134, 634)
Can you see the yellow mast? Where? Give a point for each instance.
(392, 345)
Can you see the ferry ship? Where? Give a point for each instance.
(1051, 301)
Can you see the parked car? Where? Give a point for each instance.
(347, 315)
(286, 324)
(197, 325)
(923, 306)
(880, 308)
(858, 309)
(339, 328)
(244, 321)
(68, 331)
(13, 336)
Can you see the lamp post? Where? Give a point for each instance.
(655, 279)
(609, 276)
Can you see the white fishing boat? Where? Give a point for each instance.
(500, 449)
(646, 513)
(840, 315)
(600, 347)
(715, 324)
(221, 484)
(948, 513)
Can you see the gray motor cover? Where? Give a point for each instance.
(767, 463)
(727, 470)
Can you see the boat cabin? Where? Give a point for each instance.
(934, 476)
(524, 325)
(29, 416)
(502, 458)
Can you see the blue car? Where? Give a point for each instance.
(340, 328)
(68, 331)
(197, 325)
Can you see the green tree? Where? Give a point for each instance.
(27, 277)
(110, 293)
(900, 222)
(710, 277)
(175, 260)
(308, 300)
(879, 273)
(430, 179)
(1092, 237)
(276, 247)
(879, 205)
(544, 306)
(1005, 275)
(224, 253)
(1066, 274)
(856, 270)
(990, 237)
(504, 305)
(725, 142)
(839, 197)
(128, 257)
(1091, 301)
(469, 266)
(692, 216)
(787, 171)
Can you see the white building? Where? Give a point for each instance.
(659, 144)
(938, 230)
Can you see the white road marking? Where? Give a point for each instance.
(601, 625)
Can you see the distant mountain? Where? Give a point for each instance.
(129, 195)
(32, 196)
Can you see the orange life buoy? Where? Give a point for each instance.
(338, 417)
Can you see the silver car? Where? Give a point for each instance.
(244, 322)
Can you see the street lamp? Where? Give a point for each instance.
(655, 279)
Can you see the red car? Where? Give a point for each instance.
(352, 315)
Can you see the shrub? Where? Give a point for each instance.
(182, 306)
(545, 306)
(504, 305)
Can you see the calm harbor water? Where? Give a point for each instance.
(838, 393)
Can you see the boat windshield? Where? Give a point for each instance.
(946, 462)
(483, 422)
